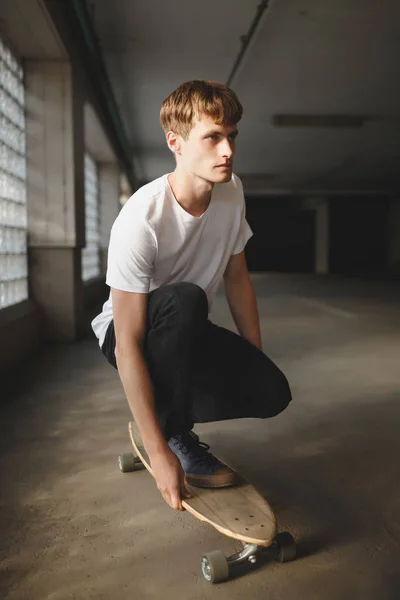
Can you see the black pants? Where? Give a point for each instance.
(201, 372)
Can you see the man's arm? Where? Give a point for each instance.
(129, 323)
(242, 299)
(130, 310)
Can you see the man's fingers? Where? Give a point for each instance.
(173, 500)
(176, 502)
(185, 492)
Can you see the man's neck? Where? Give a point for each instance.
(191, 192)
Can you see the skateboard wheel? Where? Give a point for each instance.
(214, 567)
(128, 462)
(286, 547)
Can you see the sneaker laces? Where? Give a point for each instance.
(189, 444)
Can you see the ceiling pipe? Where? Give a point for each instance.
(246, 39)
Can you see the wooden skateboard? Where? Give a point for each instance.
(239, 512)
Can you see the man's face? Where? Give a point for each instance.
(208, 151)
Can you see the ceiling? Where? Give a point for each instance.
(307, 59)
(38, 42)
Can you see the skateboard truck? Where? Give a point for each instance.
(215, 565)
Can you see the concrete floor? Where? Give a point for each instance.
(74, 527)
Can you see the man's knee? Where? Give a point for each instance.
(183, 302)
(282, 395)
(191, 300)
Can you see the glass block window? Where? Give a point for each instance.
(91, 253)
(13, 214)
(125, 189)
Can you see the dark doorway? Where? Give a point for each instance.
(358, 235)
(284, 235)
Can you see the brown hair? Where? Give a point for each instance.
(194, 98)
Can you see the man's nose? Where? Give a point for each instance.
(227, 148)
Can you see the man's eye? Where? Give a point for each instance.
(213, 137)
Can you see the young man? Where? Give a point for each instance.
(171, 245)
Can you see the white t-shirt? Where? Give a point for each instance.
(155, 242)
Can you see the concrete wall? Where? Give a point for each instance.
(61, 126)
(54, 108)
(61, 123)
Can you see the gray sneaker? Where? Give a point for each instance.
(201, 468)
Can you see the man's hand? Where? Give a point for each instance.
(170, 478)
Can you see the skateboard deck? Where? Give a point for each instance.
(239, 512)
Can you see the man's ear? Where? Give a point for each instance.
(173, 142)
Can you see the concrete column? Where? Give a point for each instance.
(109, 206)
(55, 178)
(321, 207)
(393, 237)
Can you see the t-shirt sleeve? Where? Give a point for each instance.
(245, 231)
(131, 255)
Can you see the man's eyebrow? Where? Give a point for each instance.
(215, 132)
